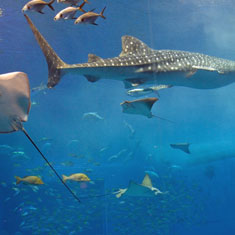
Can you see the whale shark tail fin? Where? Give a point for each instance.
(55, 64)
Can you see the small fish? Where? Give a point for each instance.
(76, 177)
(112, 157)
(67, 163)
(37, 5)
(45, 139)
(32, 208)
(71, 2)
(152, 173)
(29, 180)
(130, 128)
(145, 91)
(17, 191)
(25, 213)
(41, 87)
(69, 13)
(19, 206)
(175, 167)
(103, 149)
(34, 188)
(92, 116)
(89, 17)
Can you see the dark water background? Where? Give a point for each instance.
(201, 193)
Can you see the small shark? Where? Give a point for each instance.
(138, 64)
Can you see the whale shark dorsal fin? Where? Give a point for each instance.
(93, 58)
(147, 182)
(132, 45)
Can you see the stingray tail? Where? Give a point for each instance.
(49, 164)
(55, 64)
(162, 118)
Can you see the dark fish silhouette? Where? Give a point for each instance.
(182, 146)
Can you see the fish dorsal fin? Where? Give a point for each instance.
(147, 181)
(132, 45)
(93, 58)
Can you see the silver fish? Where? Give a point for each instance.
(37, 5)
(89, 17)
(136, 92)
(68, 13)
(140, 64)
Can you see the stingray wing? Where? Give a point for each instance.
(14, 99)
(138, 190)
(147, 181)
(140, 106)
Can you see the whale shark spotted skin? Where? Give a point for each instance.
(138, 64)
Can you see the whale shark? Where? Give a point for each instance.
(138, 64)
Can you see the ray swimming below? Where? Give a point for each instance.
(15, 106)
(138, 64)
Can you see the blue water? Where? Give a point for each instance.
(200, 185)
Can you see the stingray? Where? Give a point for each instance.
(182, 146)
(15, 105)
(145, 189)
(141, 107)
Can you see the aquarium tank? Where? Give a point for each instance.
(117, 117)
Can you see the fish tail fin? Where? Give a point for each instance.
(102, 13)
(55, 64)
(64, 177)
(118, 195)
(18, 179)
(81, 6)
(86, 1)
(50, 5)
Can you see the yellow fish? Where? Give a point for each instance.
(29, 180)
(76, 177)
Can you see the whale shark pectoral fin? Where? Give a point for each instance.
(191, 73)
(91, 78)
(93, 58)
